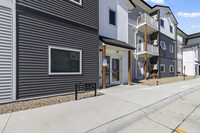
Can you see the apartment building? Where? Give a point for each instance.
(114, 50)
(152, 30)
(46, 47)
(191, 55)
(57, 47)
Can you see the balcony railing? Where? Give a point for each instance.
(148, 19)
(150, 48)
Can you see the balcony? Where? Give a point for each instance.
(152, 50)
(152, 24)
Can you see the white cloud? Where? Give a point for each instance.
(156, 1)
(187, 15)
(195, 26)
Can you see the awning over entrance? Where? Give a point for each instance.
(197, 62)
(116, 43)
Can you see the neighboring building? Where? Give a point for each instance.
(168, 43)
(152, 30)
(191, 55)
(114, 48)
(57, 45)
(143, 31)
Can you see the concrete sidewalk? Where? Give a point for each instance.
(120, 107)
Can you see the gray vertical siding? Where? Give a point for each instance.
(5, 54)
(131, 36)
(166, 57)
(35, 34)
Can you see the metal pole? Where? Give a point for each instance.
(76, 93)
(95, 90)
(184, 72)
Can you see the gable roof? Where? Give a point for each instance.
(144, 5)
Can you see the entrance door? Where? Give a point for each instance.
(115, 76)
(108, 71)
(199, 70)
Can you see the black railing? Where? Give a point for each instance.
(81, 88)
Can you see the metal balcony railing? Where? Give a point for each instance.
(150, 48)
(148, 19)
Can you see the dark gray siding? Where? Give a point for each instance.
(131, 36)
(193, 41)
(134, 15)
(35, 34)
(86, 14)
(166, 57)
(167, 62)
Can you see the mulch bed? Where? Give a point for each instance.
(153, 82)
(31, 104)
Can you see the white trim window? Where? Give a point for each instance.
(77, 1)
(171, 48)
(162, 68)
(162, 45)
(64, 61)
(171, 68)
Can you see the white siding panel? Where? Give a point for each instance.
(188, 61)
(5, 54)
(168, 21)
(120, 31)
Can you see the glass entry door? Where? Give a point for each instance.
(115, 71)
(108, 71)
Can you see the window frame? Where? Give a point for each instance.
(161, 23)
(79, 3)
(161, 45)
(109, 9)
(163, 66)
(170, 68)
(171, 28)
(66, 49)
(171, 46)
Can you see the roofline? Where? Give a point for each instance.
(132, 3)
(195, 35)
(159, 6)
(182, 32)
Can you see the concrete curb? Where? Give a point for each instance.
(122, 122)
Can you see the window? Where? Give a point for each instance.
(77, 1)
(63, 61)
(171, 68)
(171, 29)
(162, 23)
(162, 45)
(171, 49)
(162, 68)
(112, 17)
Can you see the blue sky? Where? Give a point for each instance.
(187, 12)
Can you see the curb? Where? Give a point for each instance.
(122, 122)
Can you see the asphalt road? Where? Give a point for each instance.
(182, 116)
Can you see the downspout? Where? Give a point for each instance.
(159, 44)
(176, 51)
